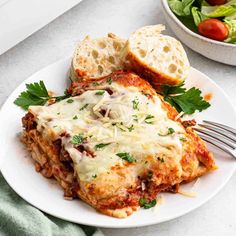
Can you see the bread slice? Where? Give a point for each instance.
(95, 58)
(158, 58)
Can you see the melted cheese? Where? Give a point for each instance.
(127, 120)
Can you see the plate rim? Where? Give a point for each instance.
(164, 219)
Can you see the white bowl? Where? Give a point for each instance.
(215, 50)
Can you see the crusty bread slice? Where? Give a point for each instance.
(158, 58)
(95, 58)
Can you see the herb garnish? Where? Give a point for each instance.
(36, 94)
(77, 139)
(70, 101)
(109, 81)
(135, 104)
(184, 100)
(100, 93)
(95, 84)
(75, 117)
(146, 205)
(148, 119)
(94, 176)
(83, 107)
(131, 128)
(125, 156)
(101, 145)
(135, 118)
(119, 125)
(150, 174)
(170, 131)
(182, 139)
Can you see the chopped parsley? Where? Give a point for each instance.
(75, 117)
(83, 107)
(184, 100)
(96, 84)
(125, 156)
(161, 159)
(135, 104)
(135, 118)
(101, 145)
(58, 113)
(94, 176)
(149, 119)
(109, 81)
(182, 139)
(77, 139)
(70, 101)
(169, 132)
(131, 128)
(150, 174)
(100, 93)
(119, 125)
(146, 205)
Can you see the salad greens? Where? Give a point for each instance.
(231, 22)
(193, 12)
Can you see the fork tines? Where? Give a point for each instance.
(221, 136)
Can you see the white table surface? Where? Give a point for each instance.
(97, 17)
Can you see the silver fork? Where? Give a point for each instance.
(219, 135)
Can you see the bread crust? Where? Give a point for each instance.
(155, 78)
(143, 53)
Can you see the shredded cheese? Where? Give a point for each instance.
(111, 130)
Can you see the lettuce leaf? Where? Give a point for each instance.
(198, 17)
(219, 11)
(231, 23)
(181, 7)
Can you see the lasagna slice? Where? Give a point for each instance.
(114, 142)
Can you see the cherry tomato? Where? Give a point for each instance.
(216, 2)
(213, 29)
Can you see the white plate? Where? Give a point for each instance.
(18, 170)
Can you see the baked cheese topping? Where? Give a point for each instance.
(125, 126)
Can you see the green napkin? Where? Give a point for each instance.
(19, 218)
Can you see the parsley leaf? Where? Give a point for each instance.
(167, 89)
(26, 99)
(170, 131)
(36, 94)
(70, 101)
(182, 139)
(146, 205)
(101, 145)
(75, 117)
(125, 156)
(184, 100)
(37, 89)
(100, 93)
(135, 118)
(77, 139)
(149, 119)
(135, 104)
(83, 107)
(131, 128)
(94, 176)
(109, 81)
